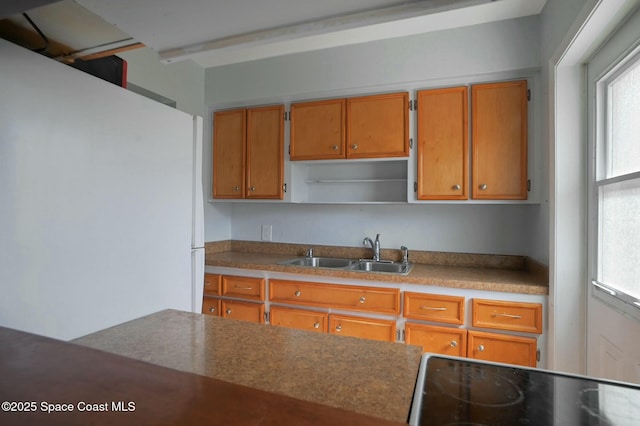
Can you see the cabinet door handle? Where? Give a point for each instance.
(354, 146)
(430, 308)
(228, 311)
(339, 328)
(456, 187)
(212, 309)
(493, 315)
(480, 348)
(253, 188)
(236, 188)
(483, 186)
(316, 325)
(242, 288)
(297, 293)
(453, 344)
(363, 299)
(335, 147)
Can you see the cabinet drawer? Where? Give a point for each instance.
(502, 348)
(439, 340)
(244, 287)
(373, 299)
(211, 306)
(501, 315)
(434, 307)
(366, 328)
(299, 318)
(212, 284)
(244, 311)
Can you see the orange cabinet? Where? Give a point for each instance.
(248, 153)
(434, 307)
(359, 298)
(211, 306)
(506, 315)
(443, 154)
(244, 311)
(318, 130)
(212, 284)
(439, 340)
(366, 328)
(499, 140)
(508, 349)
(299, 318)
(243, 287)
(378, 126)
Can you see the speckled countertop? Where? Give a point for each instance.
(513, 274)
(364, 376)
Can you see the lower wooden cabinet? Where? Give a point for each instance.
(367, 328)
(211, 306)
(244, 311)
(299, 318)
(437, 340)
(502, 348)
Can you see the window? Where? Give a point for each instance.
(616, 184)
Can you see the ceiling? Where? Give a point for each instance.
(220, 32)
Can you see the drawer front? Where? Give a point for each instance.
(372, 299)
(211, 306)
(299, 318)
(212, 284)
(434, 307)
(501, 315)
(502, 348)
(439, 340)
(366, 328)
(243, 287)
(243, 311)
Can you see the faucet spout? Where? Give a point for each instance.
(375, 246)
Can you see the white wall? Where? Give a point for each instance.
(505, 49)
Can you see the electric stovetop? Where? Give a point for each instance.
(459, 391)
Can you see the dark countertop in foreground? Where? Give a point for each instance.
(100, 388)
(512, 274)
(364, 376)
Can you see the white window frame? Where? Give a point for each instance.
(601, 107)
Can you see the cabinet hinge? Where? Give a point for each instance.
(413, 105)
(400, 336)
(538, 355)
(266, 317)
(410, 143)
(528, 185)
(287, 116)
(415, 186)
(284, 187)
(528, 94)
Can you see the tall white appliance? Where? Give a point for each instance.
(100, 201)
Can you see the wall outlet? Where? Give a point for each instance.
(266, 232)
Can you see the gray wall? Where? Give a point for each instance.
(505, 49)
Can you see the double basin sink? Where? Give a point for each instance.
(363, 265)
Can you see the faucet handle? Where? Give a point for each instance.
(405, 254)
(310, 252)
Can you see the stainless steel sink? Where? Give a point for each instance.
(320, 262)
(382, 266)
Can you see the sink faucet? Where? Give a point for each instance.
(375, 245)
(405, 255)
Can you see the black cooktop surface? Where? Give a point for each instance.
(465, 392)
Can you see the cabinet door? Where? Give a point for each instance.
(434, 307)
(243, 311)
(299, 318)
(507, 315)
(243, 287)
(378, 126)
(443, 157)
(211, 306)
(229, 154)
(318, 130)
(499, 140)
(366, 328)
(502, 348)
(265, 152)
(439, 340)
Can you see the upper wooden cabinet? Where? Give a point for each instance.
(318, 130)
(499, 140)
(378, 126)
(248, 153)
(443, 157)
(374, 126)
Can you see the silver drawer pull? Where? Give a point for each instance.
(430, 308)
(453, 344)
(363, 299)
(242, 288)
(316, 325)
(228, 311)
(212, 309)
(297, 293)
(339, 328)
(480, 348)
(506, 315)
(456, 187)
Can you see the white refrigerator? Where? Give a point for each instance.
(101, 201)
